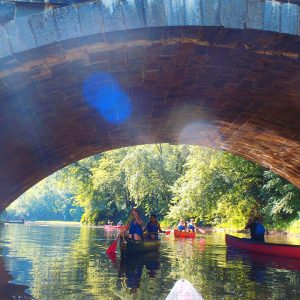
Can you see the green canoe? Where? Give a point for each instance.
(129, 246)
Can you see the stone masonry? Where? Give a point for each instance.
(196, 72)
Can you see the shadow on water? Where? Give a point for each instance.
(131, 267)
(10, 290)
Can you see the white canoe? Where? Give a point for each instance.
(184, 290)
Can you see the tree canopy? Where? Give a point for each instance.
(213, 186)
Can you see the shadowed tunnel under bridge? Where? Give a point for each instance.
(96, 76)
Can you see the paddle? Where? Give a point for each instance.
(113, 247)
(200, 230)
(167, 232)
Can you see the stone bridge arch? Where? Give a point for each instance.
(220, 73)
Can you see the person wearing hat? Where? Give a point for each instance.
(153, 227)
(191, 226)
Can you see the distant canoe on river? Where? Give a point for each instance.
(120, 227)
(15, 222)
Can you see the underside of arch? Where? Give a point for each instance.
(233, 89)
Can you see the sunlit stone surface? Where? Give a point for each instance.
(233, 88)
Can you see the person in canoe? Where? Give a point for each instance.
(120, 223)
(181, 225)
(191, 226)
(135, 225)
(152, 228)
(257, 230)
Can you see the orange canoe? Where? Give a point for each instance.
(184, 234)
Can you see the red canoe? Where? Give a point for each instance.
(114, 227)
(183, 234)
(263, 248)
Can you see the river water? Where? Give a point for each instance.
(47, 261)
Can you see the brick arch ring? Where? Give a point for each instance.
(215, 73)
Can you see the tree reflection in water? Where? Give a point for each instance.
(131, 267)
(66, 262)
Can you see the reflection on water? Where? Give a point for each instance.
(131, 267)
(63, 262)
(255, 260)
(9, 290)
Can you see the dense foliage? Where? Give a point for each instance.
(214, 187)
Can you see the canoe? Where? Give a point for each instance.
(183, 234)
(129, 246)
(14, 222)
(183, 289)
(263, 248)
(115, 227)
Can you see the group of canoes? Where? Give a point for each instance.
(128, 246)
(135, 238)
(141, 240)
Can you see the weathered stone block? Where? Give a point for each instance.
(67, 22)
(90, 18)
(233, 13)
(175, 12)
(20, 35)
(271, 15)
(134, 16)
(44, 28)
(255, 14)
(182, 12)
(112, 15)
(155, 13)
(289, 18)
(192, 12)
(210, 12)
(4, 45)
(7, 11)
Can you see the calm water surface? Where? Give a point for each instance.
(69, 262)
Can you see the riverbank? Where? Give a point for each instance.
(55, 223)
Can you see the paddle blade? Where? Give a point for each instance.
(201, 230)
(113, 247)
(168, 232)
(112, 257)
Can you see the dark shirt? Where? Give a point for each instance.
(252, 227)
(254, 236)
(152, 229)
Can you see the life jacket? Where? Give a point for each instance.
(260, 229)
(135, 227)
(181, 227)
(191, 226)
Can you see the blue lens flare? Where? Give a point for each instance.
(103, 93)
